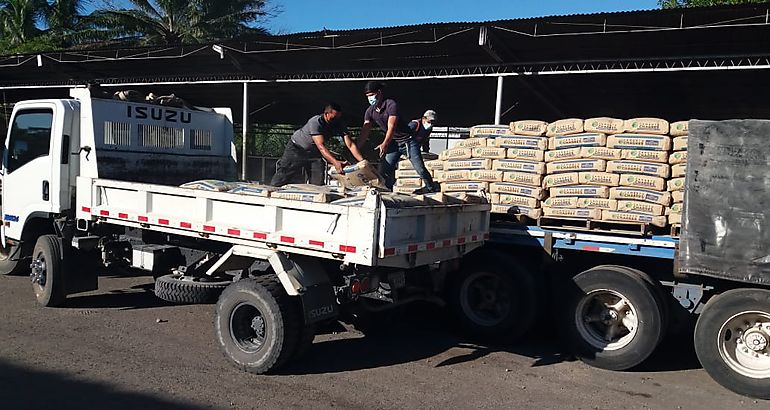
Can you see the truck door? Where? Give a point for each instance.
(28, 166)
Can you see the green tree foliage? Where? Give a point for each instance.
(674, 4)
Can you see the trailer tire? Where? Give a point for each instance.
(613, 317)
(48, 274)
(258, 325)
(726, 346)
(493, 298)
(172, 288)
(12, 267)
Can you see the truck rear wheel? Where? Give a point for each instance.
(732, 341)
(258, 325)
(48, 271)
(613, 317)
(175, 288)
(493, 297)
(12, 267)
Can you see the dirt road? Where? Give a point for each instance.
(121, 348)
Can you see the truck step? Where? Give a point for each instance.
(576, 224)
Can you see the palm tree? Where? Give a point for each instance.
(174, 22)
(18, 20)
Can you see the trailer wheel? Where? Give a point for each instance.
(175, 288)
(258, 325)
(493, 297)
(47, 271)
(732, 341)
(613, 317)
(11, 267)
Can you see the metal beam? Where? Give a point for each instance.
(499, 100)
(245, 128)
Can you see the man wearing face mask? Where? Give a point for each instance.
(399, 137)
(421, 129)
(307, 146)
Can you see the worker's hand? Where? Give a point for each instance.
(382, 148)
(339, 166)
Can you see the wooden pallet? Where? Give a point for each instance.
(676, 230)
(576, 224)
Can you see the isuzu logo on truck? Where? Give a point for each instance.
(158, 114)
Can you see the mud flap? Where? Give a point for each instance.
(319, 303)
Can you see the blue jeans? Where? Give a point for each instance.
(393, 154)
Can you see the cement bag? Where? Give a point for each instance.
(432, 165)
(315, 188)
(645, 155)
(407, 173)
(476, 163)
(410, 182)
(404, 189)
(563, 154)
(561, 202)
(637, 167)
(677, 184)
(639, 141)
(578, 213)
(360, 174)
(679, 157)
(514, 165)
(463, 196)
(581, 191)
(675, 219)
(638, 194)
(640, 207)
(306, 195)
(513, 189)
(519, 141)
(680, 128)
(576, 165)
(598, 203)
(676, 208)
(456, 176)
(599, 178)
(534, 213)
(565, 127)
(490, 131)
(609, 154)
(617, 216)
(527, 202)
(534, 155)
(529, 127)
(646, 126)
(604, 125)
(456, 153)
(568, 178)
(245, 188)
(473, 143)
(212, 185)
(523, 178)
(643, 181)
(577, 140)
(680, 143)
(677, 196)
(485, 175)
(488, 152)
(466, 186)
(678, 170)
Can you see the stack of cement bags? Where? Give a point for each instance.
(678, 161)
(407, 179)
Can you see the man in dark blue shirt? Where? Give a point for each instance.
(399, 137)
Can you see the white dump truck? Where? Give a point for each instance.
(90, 181)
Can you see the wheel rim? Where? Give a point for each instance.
(5, 253)
(485, 298)
(39, 273)
(606, 319)
(744, 344)
(248, 328)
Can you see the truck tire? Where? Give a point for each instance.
(493, 298)
(661, 294)
(613, 317)
(173, 288)
(48, 274)
(258, 325)
(732, 341)
(11, 267)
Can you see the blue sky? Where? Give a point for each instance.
(314, 15)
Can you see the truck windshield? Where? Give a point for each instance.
(30, 137)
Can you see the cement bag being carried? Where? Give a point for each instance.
(360, 174)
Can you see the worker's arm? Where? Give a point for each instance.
(366, 129)
(353, 147)
(319, 143)
(392, 120)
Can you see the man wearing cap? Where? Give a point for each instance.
(398, 140)
(307, 146)
(421, 129)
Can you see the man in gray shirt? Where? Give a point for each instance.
(306, 147)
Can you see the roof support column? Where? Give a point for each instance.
(499, 100)
(245, 128)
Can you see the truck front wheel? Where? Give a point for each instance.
(48, 271)
(613, 317)
(257, 324)
(732, 340)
